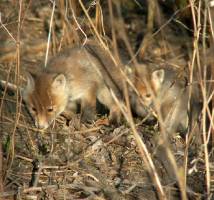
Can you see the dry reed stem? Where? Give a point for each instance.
(202, 79)
(163, 132)
(49, 32)
(11, 155)
(6, 85)
(150, 160)
(144, 152)
(152, 8)
(1, 168)
(163, 141)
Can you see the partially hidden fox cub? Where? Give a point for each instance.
(76, 74)
(168, 95)
(163, 89)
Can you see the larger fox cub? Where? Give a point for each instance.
(75, 74)
(163, 90)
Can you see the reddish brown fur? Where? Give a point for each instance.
(73, 75)
(162, 88)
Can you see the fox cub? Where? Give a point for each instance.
(168, 95)
(163, 90)
(75, 74)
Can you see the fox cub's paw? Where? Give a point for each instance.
(88, 115)
(115, 118)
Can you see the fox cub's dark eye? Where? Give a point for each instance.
(33, 109)
(50, 109)
(148, 95)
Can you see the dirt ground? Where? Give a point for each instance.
(71, 160)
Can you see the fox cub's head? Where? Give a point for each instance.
(46, 97)
(148, 84)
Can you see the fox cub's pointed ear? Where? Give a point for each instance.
(30, 81)
(158, 78)
(59, 83)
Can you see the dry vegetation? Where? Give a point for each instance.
(71, 160)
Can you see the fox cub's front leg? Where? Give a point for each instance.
(88, 105)
(105, 97)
